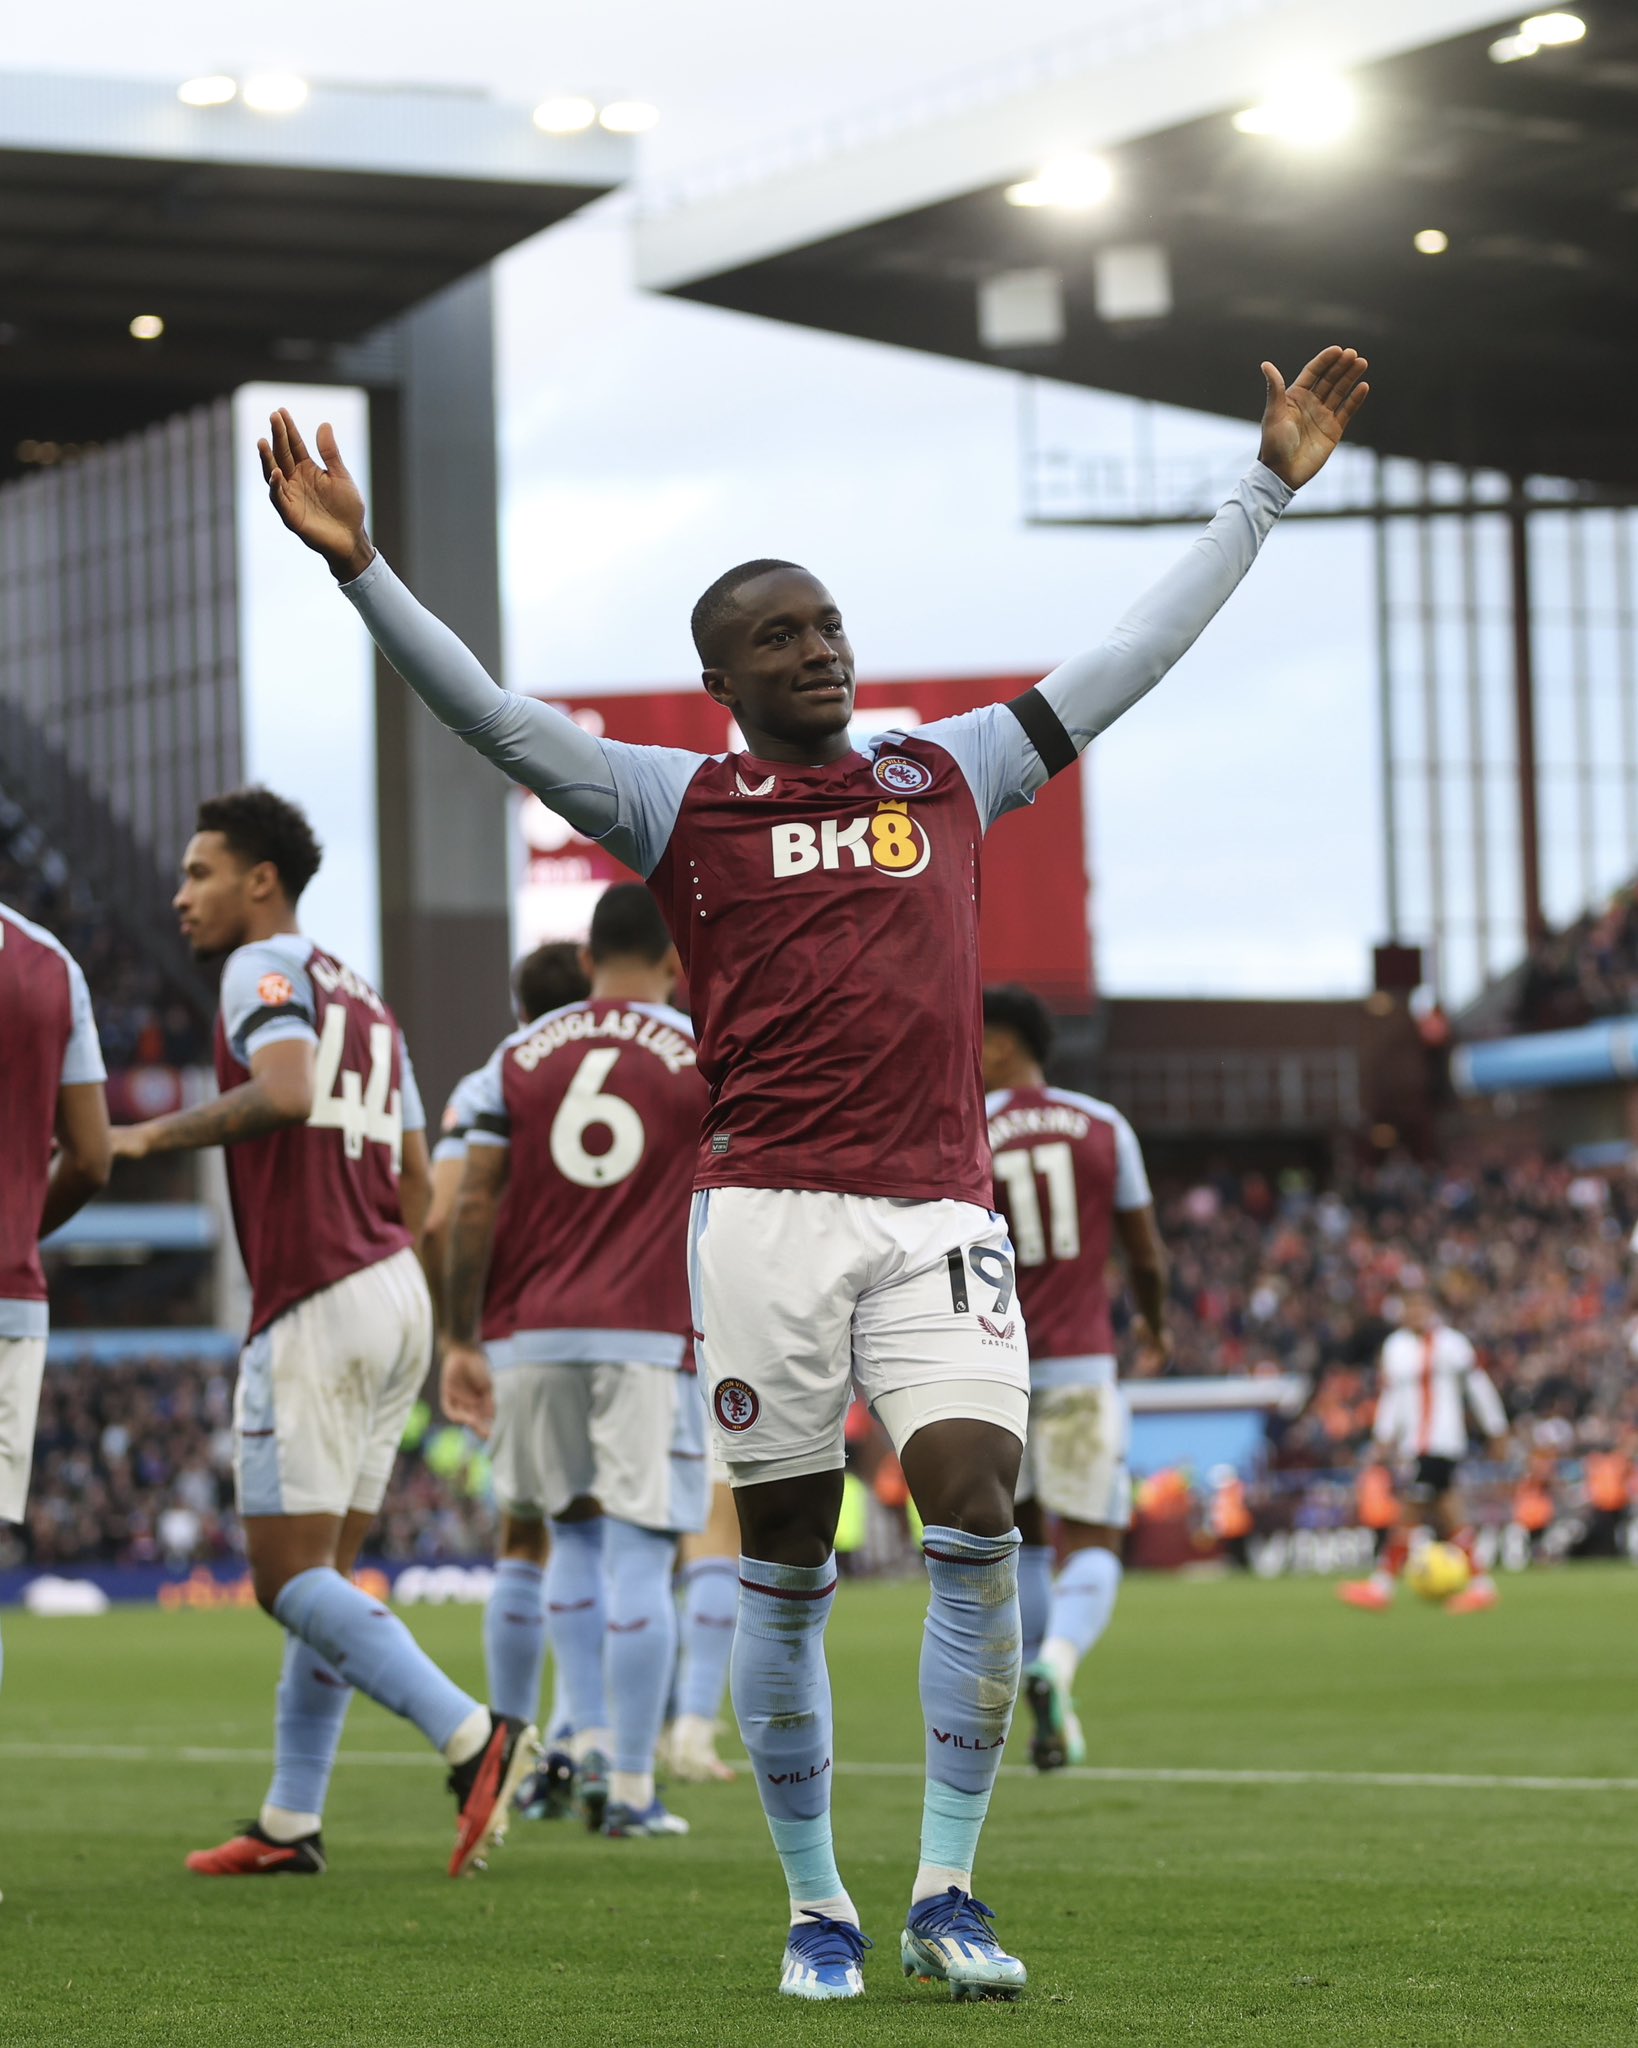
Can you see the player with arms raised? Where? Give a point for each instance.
(824, 900)
(327, 1169)
(1069, 1178)
(54, 1156)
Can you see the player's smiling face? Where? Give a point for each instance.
(786, 669)
(216, 901)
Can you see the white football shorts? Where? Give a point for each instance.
(632, 1437)
(22, 1368)
(801, 1296)
(325, 1391)
(1079, 1437)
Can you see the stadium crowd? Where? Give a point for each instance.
(1268, 1275)
(1587, 971)
(139, 1020)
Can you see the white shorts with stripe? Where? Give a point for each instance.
(1079, 1438)
(632, 1437)
(22, 1368)
(325, 1391)
(801, 1296)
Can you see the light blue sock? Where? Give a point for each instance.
(970, 1664)
(710, 1589)
(782, 1701)
(641, 1645)
(1083, 1603)
(371, 1648)
(574, 1619)
(514, 1637)
(1034, 1596)
(309, 1714)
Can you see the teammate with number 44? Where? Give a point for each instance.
(823, 896)
(327, 1168)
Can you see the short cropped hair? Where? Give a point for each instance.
(548, 978)
(1021, 1011)
(627, 925)
(261, 826)
(715, 607)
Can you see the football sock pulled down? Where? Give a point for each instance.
(970, 1664)
(781, 1691)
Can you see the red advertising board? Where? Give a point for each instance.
(1036, 920)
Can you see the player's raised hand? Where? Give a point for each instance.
(317, 500)
(466, 1387)
(1303, 423)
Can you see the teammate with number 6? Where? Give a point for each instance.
(586, 1120)
(327, 1169)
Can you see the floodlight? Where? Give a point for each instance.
(1074, 183)
(568, 114)
(215, 89)
(1552, 31)
(147, 327)
(1431, 242)
(275, 92)
(1309, 112)
(629, 117)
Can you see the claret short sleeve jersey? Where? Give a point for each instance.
(1064, 1164)
(316, 1201)
(48, 1041)
(827, 920)
(600, 1103)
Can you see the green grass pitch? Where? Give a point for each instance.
(1313, 1911)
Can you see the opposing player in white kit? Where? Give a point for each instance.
(514, 1636)
(824, 901)
(584, 1123)
(1069, 1179)
(327, 1169)
(1428, 1381)
(54, 1155)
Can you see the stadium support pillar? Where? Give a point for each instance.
(1524, 713)
(445, 935)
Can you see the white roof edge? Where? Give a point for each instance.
(405, 131)
(1197, 59)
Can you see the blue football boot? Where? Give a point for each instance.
(823, 1958)
(948, 1940)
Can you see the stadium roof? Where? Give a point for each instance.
(271, 246)
(1507, 351)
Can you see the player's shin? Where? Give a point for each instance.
(781, 1693)
(371, 1646)
(309, 1715)
(1083, 1603)
(514, 1637)
(970, 1664)
(641, 1647)
(575, 1620)
(1034, 1596)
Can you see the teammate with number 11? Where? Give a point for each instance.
(327, 1168)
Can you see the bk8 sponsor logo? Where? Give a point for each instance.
(887, 839)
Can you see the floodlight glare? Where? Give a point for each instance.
(1431, 242)
(1509, 49)
(147, 327)
(215, 90)
(275, 92)
(1073, 183)
(1309, 112)
(567, 115)
(1552, 31)
(629, 117)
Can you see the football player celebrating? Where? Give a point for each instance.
(54, 1156)
(1069, 1178)
(585, 1122)
(327, 1170)
(824, 900)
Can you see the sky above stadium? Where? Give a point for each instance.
(646, 444)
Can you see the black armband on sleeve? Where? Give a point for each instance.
(492, 1126)
(274, 1013)
(1045, 731)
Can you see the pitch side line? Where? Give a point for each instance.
(1095, 1774)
